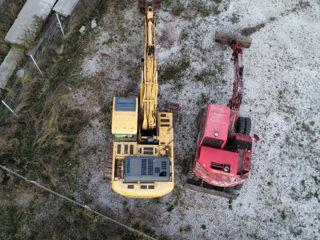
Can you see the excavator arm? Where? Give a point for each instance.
(235, 101)
(149, 84)
(237, 44)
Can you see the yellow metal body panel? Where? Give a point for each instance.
(159, 125)
(124, 122)
(165, 148)
(149, 85)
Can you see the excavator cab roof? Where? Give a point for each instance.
(125, 116)
(217, 123)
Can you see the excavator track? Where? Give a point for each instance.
(108, 164)
(196, 184)
(174, 108)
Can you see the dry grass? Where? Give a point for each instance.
(42, 145)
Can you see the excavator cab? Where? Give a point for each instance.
(125, 119)
(215, 127)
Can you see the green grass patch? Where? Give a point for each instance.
(177, 9)
(175, 72)
(202, 100)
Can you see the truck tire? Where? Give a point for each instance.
(248, 126)
(240, 126)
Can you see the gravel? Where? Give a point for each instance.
(280, 200)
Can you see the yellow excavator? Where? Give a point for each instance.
(142, 151)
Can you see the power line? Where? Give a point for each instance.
(76, 203)
(10, 109)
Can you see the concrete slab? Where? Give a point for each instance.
(65, 7)
(29, 22)
(9, 65)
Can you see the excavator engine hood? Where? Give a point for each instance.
(146, 169)
(218, 167)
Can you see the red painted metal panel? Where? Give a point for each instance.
(217, 121)
(242, 137)
(208, 155)
(218, 179)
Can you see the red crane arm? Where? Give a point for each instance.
(235, 100)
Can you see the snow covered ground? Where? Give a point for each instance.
(282, 95)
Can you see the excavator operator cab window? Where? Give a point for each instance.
(124, 138)
(212, 142)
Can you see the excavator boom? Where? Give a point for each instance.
(237, 44)
(149, 85)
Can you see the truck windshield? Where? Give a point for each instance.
(212, 142)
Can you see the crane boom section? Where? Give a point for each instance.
(149, 84)
(237, 94)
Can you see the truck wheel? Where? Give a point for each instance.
(240, 126)
(248, 126)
